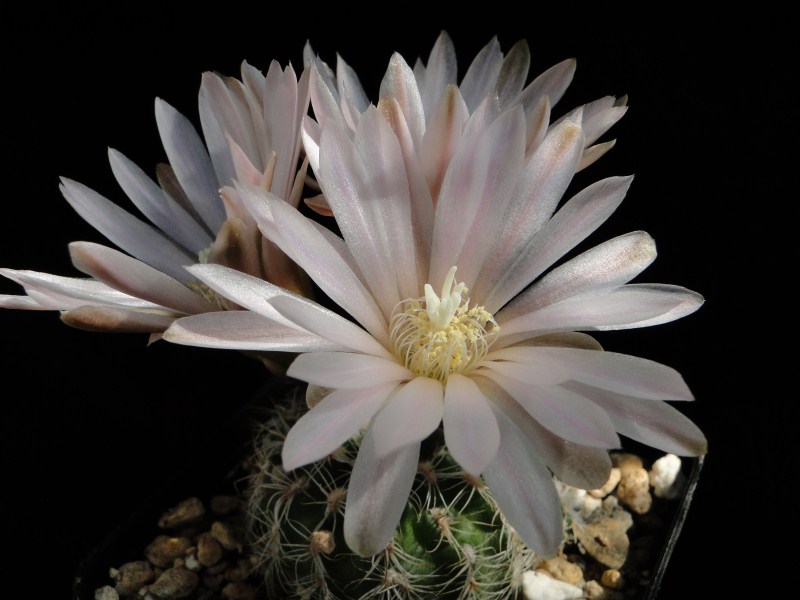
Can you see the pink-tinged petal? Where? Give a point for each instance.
(563, 339)
(117, 320)
(599, 116)
(324, 95)
(606, 266)
(157, 206)
(330, 423)
(620, 373)
(629, 306)
(420, 195)
(441, 70)
(311, 134)
(384, 169)
(377, 495)
(594, 153)
(412, 413)
(214, 135)
(513, 72)
(575, 221)
(327, 324)
(399, 84)
(470, 427)
(442, 136)
(126, 231)
(537, 120)
(243, 330)
(523, 489)
(577, 465)
(514, 362)
(656, 424)
(135, 278)
(313, 252)
(481, 77)
(20, 303)
(191, 164)
(476, 189)
(350, 86)
(568, 415)
(247, 291)
(253, 80)
(78, 291)
(544, 180)
(347, 370)
(552, 83)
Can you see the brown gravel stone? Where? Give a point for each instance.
(215, 581)
(626, 461)
(106, 593)
(163, 550)
(612, 579)
(238, 590)
(219, 568)
(185, 513)
(322, 541)
(174, 584)
(608, 487)
(634, 490)
(606, 538)
(228, 535)
(209, 552)
(132, 576)
(560, 568)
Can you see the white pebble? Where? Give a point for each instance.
(192, 563)
(106, 593)
(540, 586)
(663, 476)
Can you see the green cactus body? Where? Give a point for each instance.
(451, 543)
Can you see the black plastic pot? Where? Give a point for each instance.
(218, 470)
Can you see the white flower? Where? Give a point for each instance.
(449, 330)
(252, 129)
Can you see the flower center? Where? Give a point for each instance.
(435, 336)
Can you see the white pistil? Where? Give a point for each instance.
(436, 336)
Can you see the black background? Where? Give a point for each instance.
(91, 422)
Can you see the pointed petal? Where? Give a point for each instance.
(377, 495)
(580, 466)
(629, 306)
(470, 427)
(513, 72)
(476, 189)
(524, 491)
(656, 424)
(411, 415)
(594, 153)
(567, 414)
(576, 220)
(440, 71)
(399, 83)
(126, 231)
(114, 319)
(243, 330)
(315, 254)
(20, 303)
(442, 136)
(552, 83)
(347, 370)
(606, 266)
(313, 317)
(482, 74)
(190, 161)
(157, 206)
(135, 278)
(330, 423)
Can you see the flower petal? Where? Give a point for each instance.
(243, 330)
(313, 317)
(482, 74)
(136, 278)
(470, 428)
(126, 231)
(566, 414)
(377, 495)
(160, 208)
(411, 415)
(116, 319)
(330, 423)
(440, 71)
(632, 305)
(399, 83)
(575, 221)
(347, 370)
(524, 490)
(656, 424)
(192, 166)
(552, 83)
(513, 72)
